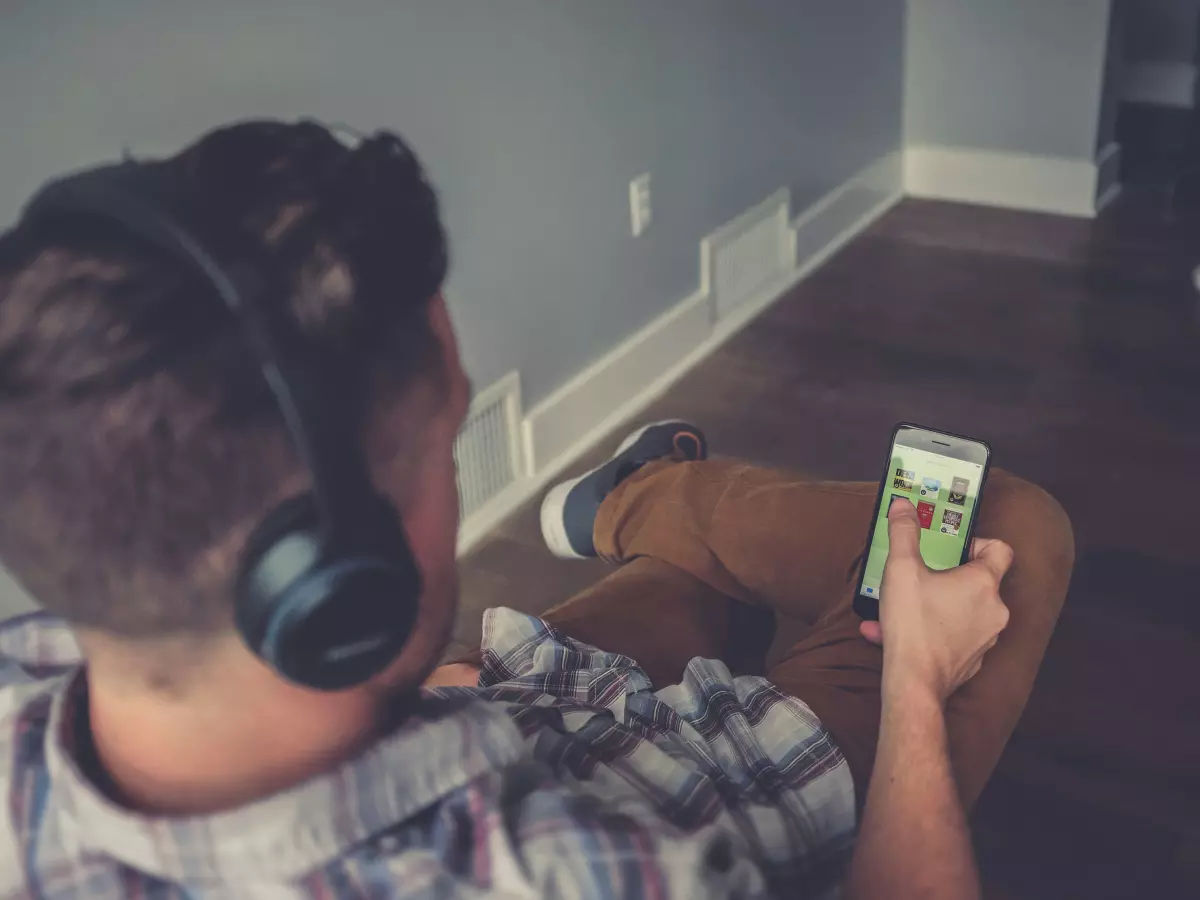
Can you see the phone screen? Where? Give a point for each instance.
(945, 491)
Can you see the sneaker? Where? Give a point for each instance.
(569, 510)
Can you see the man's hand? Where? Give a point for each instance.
(936, 626)
(453, 675)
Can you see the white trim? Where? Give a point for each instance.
(747, 220)
(1159, 83)
(1108, 176)
(564, 423)
(841, 215)
(508, 389)
(1016, 180)
(884, 176)
(481, 523)
(777, 207)
(1109, 155)
(628, 378)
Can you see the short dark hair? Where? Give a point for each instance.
(136, 429)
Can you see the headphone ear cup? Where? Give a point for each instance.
(298, 513)
(344, 623)
(324, 620)
(296, 518)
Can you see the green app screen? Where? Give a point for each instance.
(943, 490)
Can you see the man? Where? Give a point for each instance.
(602, 752)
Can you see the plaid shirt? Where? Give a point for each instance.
(563, 774)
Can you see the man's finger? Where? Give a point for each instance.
(978, 545)
(994, 555)
(872, 631)
(904, 530)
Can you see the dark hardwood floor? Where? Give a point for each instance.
(1074, 347)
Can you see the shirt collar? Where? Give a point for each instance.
(445, 744)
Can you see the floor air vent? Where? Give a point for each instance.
(750, 253)
(487, 451)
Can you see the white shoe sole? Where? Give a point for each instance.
(554, 531)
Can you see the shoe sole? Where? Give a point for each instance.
(554, 532)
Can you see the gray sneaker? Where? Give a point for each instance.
(569, 510)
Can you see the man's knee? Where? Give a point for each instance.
(1030, 519)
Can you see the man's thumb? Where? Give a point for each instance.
(904, 530)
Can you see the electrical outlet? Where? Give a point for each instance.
(639, 203)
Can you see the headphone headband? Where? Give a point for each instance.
(328, 590)
(153, 208)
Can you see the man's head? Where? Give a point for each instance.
(139, 444)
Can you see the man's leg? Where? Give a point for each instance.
(982, 715)
(761, 536)
(772, 540)
(662, 617)
(667, 604)
(657, 615)
(649, 610)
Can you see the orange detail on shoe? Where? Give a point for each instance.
(683, 452)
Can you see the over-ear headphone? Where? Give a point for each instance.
(327, 590)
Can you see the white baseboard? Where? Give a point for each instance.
(821, 230)
(1015, 180)
(619, 385)
(565, 423)
(821, 225)
(1159, 84)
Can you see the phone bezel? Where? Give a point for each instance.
(974, 450)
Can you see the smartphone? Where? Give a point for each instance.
(942, 475)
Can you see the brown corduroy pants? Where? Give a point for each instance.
(710, 552)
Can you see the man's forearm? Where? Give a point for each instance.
(914, 840)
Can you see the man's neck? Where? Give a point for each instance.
(229, 735)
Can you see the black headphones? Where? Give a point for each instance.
(327, 590)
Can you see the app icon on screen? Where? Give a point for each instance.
(930, 488)
(958, 491)
(904, 479)
(925, 514)
(951, 522)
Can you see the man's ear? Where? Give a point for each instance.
(459, 386)
(443, 329)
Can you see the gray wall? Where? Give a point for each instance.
(1007, 75)
(533, 115)
(13, 600)
(1161, 30)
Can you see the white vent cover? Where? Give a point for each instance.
(750, 253)
(487, 451)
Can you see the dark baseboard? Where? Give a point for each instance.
(1155, 140)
